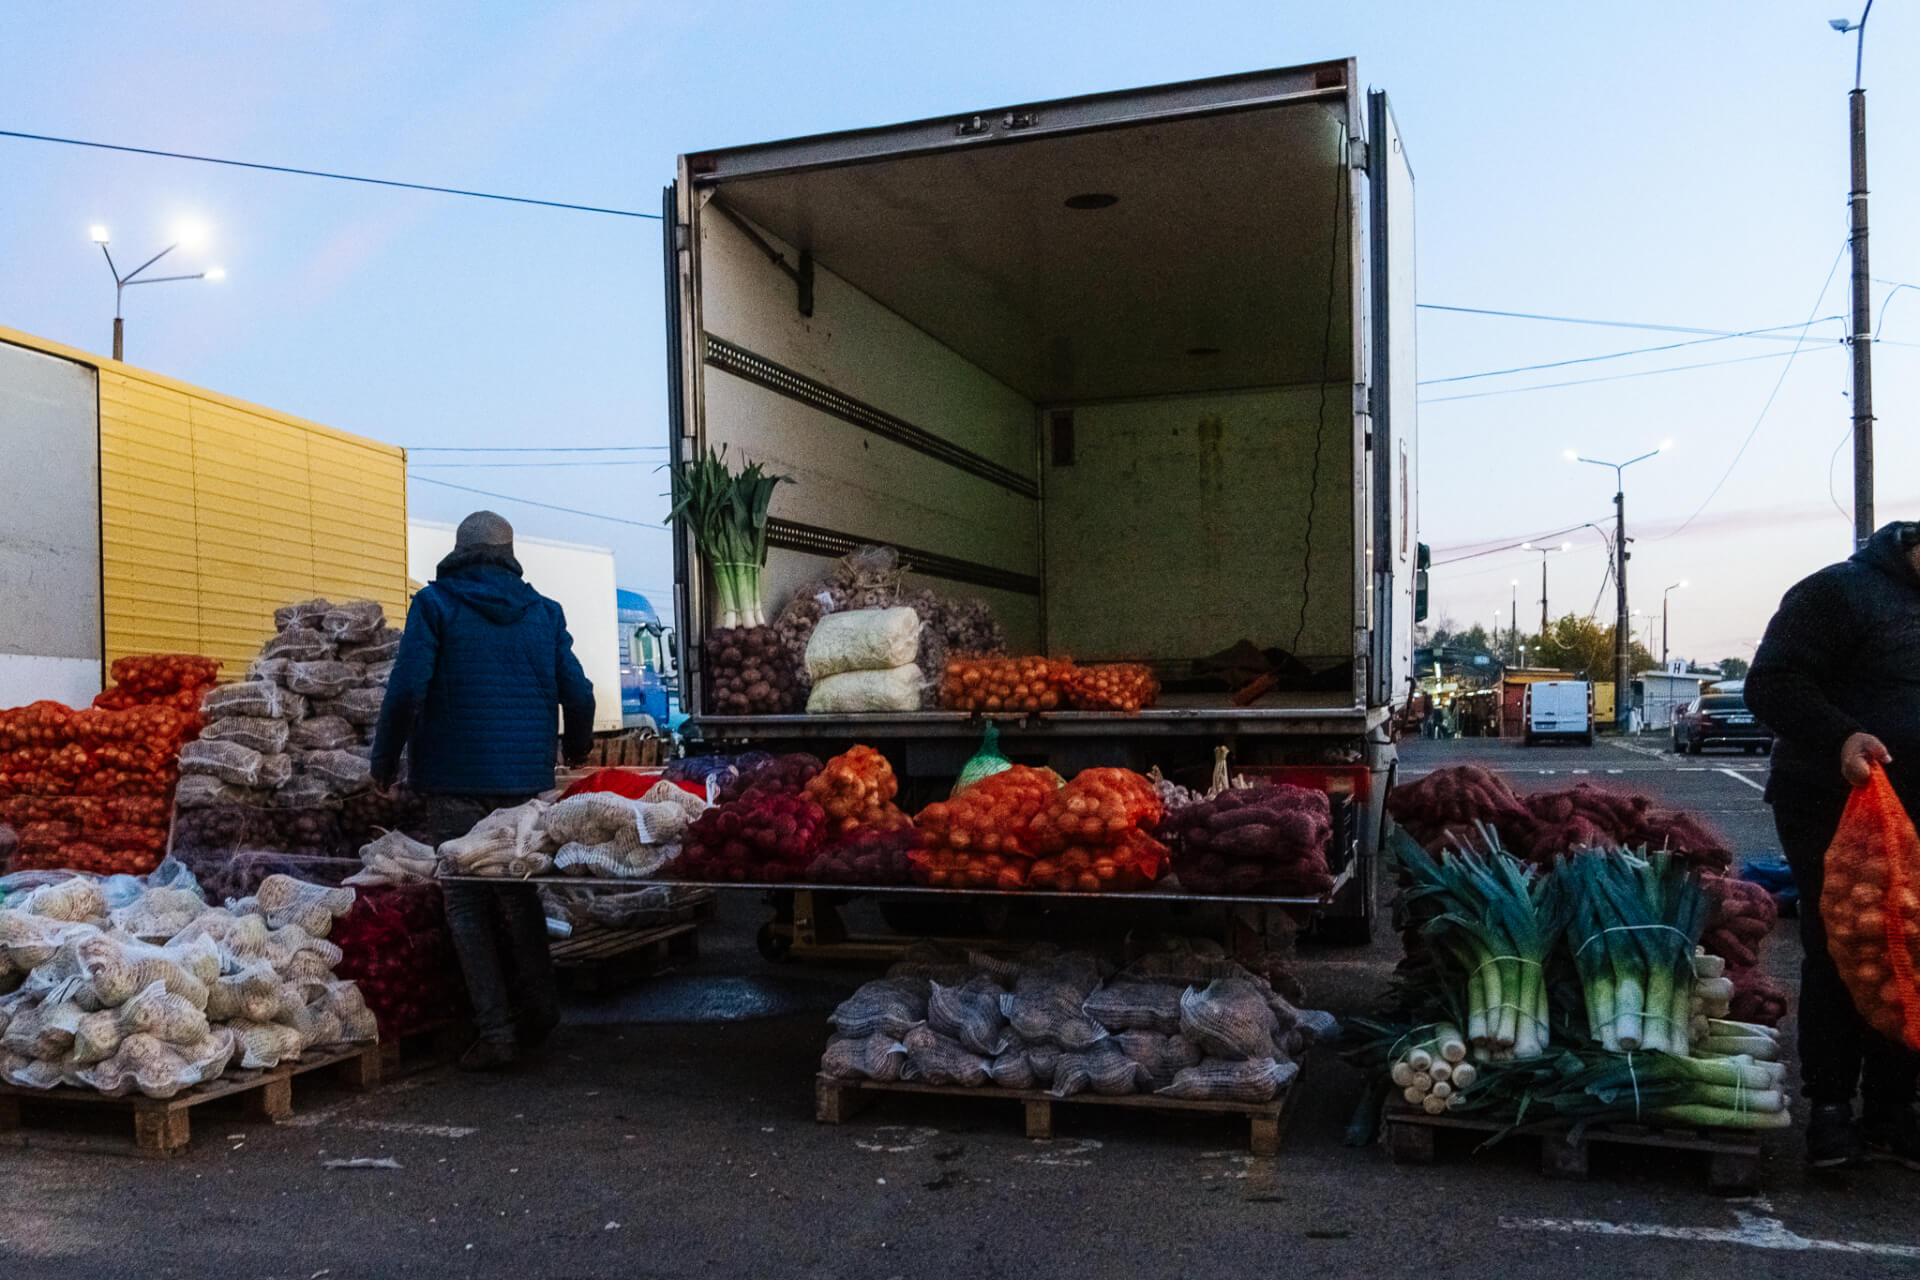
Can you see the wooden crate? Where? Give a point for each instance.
(163, 1127)
(837, 1101)
(1732, 1157)
(597, 956)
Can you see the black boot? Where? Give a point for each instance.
(1892, 1133)
(1833, 1140)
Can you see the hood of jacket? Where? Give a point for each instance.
(1888, 550)
(491, 588)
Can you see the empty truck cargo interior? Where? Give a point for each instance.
(1106, 369)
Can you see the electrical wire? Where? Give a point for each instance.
(1326, 372)
(600, 462)
(1605, 324)
(1616, 377)
(322, 173)
(1511, 546)
(1764, 409)
(1615, 355)
(536, 448)
(529, 502)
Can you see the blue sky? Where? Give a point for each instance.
(1674, 165)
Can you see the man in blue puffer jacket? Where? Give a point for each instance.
(483, 664)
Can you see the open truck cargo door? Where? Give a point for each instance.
(1392, 405)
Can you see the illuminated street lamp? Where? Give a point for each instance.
(190, 235)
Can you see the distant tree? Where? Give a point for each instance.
(1584, 647)
(1733, 668)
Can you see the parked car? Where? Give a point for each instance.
(1719, 720)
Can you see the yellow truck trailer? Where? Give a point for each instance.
(140, 514)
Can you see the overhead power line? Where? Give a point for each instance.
(529, 462)
(1619, 355)
(1613, 377)
(529, 502)
(1605, 324)
(322, 173)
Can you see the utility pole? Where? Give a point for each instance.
(1862, 339)
(1513, 625)
(1622, 637)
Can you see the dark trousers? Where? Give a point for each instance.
(499, 932)
(1840, 1054)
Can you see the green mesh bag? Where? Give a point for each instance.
(986, 762)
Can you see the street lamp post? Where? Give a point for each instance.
(1663, 618)
(1544, 553)
(1622, 650)
(133, 277)
(1861, 338)
(1513, 621)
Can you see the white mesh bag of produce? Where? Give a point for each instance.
(253, 698)
(970, 1014)
(604, 860)
(1013, 1069)
(359, 706)
(1218, 1080)
(382, 646)
(270, 670)
(1136, 1006)
(302, 791)
(228, 761)
(1042, 965)
(325, 679)
(934, 1059)
(161, 1014)
(1229, 1019)
(874, 1057)
(76, 901)
(1103, 1069)
(158, 1069)
(265, 1044)
(97, 1038)
(252, 994)
(379, 674)
(863, 640)
(323, 733)
(113, 970)
(346, 1002)
(343, 772)
(284, 900)
(301, 614)
(394, 857)
(894, 689)
(504, 843)
(202, 791)
(44, 1030)
(268, 737)
(595, 818)
(299, 645)
(1050, 1012)
(890, 1005)
(157, 914)
(1160, 1056)
(28, 941)
(287, 945)
(34, 1073)
(354, 622)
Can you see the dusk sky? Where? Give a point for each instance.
(1654, 164)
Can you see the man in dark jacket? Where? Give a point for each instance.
(483, 664)
(1837, 679)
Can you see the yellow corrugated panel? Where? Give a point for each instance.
(214, 511)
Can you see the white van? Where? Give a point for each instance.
(1558, 709)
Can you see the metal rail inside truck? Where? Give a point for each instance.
(1136, 367)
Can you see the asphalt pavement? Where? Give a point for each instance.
(669, 1131)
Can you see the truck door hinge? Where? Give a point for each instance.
(1357, 152)
(1362, 399)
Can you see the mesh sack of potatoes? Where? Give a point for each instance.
(935, 1059)
(970, 1014)
(1104, 1068)
(1221, 1080)
(1159, 1055)
(1230, 1019)
(875, 1057)
(1051, 1012)
(890, 1005)
(1136, 1006)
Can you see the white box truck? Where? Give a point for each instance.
(1558, 710)
(1137, 368)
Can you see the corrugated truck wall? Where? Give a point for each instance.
(214, 511)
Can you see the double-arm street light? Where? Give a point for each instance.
(1622, 640)
(1544, 553)
(191, 237)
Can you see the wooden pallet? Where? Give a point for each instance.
(162, 1126)
(1733, 1158)
(837, 1101)
(597, 956)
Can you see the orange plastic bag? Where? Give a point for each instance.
(1871, 906)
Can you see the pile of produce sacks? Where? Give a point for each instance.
(1453, 807)
(90, 788)
(874, 578)
(590, 833)
(163, 991)
(1264, 838)
(298, 731)
(1068, 1023)
(863, 660)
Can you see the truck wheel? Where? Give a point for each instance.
(774, 945)
(1529, 741)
